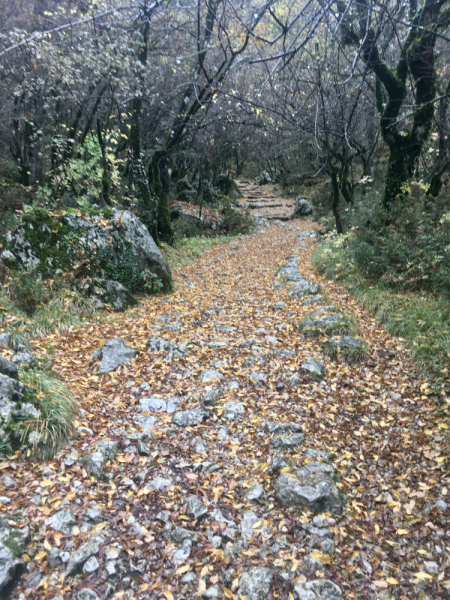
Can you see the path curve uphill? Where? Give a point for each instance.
(253, 435)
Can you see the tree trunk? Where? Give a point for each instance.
(336, 194)
(160, 176)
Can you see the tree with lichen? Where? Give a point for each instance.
(416, 66)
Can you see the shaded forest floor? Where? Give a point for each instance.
(385, 437)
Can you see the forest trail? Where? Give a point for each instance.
(211, 415)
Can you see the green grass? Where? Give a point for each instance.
(420, 319)
(187, 250)
(346, 326)
(63, 312)
(58, 408)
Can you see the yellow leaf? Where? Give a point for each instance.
(182, 570)
(258, 524)
(421, 575)
(47, 546)
(47, 483)
(380, 584)
(422, 552)
(201, 587)
(168, 594)
(40, 555)
(75, 531)
(26, 558)
(377, 529)
(392, 581)
(402, 531)
(227, 593)
(443, 425)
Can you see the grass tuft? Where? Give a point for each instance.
(351, 355)
(187, 250)
(58, 408)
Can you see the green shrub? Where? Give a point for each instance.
(27, 291)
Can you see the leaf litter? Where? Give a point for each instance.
(382, 428)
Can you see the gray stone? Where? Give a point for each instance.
(53, 558)
(188, 418)
(93, 515)
(196, 509)
(24, 358)
(209, 375)
(160, 484)
(313, 300)
(318, 589)
(114, 354)
(302, 208)
(327, 546)
(178, 534)
(4, 500)
(181, 555)
(276, 428)
(158, 344)
(6, 340)
(233, 410)
(142, 448)
(312, 487)
(8, 368)
(263, 179)
(211, 396)
(247, 524)
(13, 543)
(287, 441)
(87, 594)
(201, 447)
(255, 492)
(314, 367)
(146, 422)
(320, 322)
(256, 583)
(431, 567)
(84, 552)
(257, 377)
(213, 593)
(163, 516)
(9, 482)
(278, 462)
(152, 405)
(441, 505)
(63, 520)
(91, 565)
(312, 453)
(306, 234)
(95, 462)
(172, 404)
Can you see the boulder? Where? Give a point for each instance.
(256, 583)
(16, 402)
(264, 178)
(311, 487)
(13, 543)
(302, 208)
(24, 358)
(6, 340)
(63, 520)
(95, 461)
(115, 353)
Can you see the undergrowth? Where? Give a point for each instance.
(187, 250)
(419, 318)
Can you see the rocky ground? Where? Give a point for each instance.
(222, 454)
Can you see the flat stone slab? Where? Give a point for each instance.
(114, 354)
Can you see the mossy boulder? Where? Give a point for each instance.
(109, 245)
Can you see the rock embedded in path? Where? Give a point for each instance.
(201, 447)
(280, 428)
(257, 377)
(313, 300)
(256, 583)
(84, 552)
(188, 418)
(314, 367)
(152, 404)
(311, 487)
(211, 396)
(318, 589)
(234, 410)
(87, 594)
(161, 484)
(314, 324)
(95, 461)
(158, 344)
(181, 555)
(114, 354)
(196, 509)
(210, 375)
(287, 442)
(255, 493)
(63, 520)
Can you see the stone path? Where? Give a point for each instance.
(230, 456)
